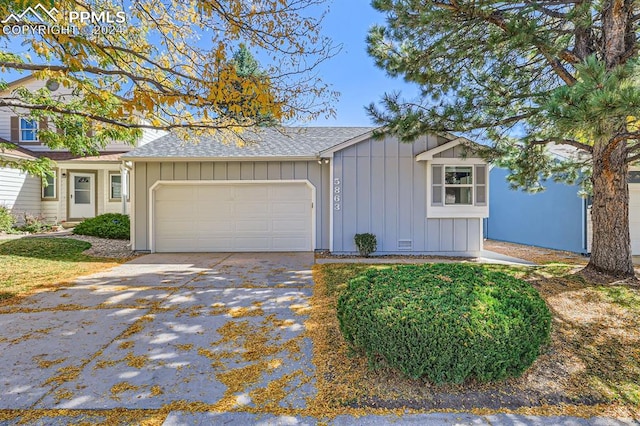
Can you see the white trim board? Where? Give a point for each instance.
(428, 155)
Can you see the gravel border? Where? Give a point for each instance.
(103, 247)
(100, 247)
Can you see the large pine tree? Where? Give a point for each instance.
(527, 74)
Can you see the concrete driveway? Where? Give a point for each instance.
(194, 328)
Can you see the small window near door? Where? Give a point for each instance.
(115, 187)
(28, 130)
(49, 188)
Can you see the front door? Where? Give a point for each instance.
(82, 195)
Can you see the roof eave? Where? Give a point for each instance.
(328, 153)
(428, 154)
(19, 81)
(216, 159)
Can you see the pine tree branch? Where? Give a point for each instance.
(625, 136)
(562, 141)
(633, 159)
(549, 12)
(497, 18)
(634, 153)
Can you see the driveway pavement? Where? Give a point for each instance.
(207, 328)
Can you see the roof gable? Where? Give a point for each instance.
(15, 83)
(429, 154)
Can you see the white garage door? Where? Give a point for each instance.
(634, 217)
(274, 216)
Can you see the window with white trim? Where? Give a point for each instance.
(458, 185)
(115, 186)
(49, 188)
(28, 130)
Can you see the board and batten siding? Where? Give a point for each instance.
(381, 189)
(146, 174)
(19, 192)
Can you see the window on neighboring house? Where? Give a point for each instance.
(49, 190)
(115, 186)
(28, 130)
(458, 185)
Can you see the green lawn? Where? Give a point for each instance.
(30, 264)
(591, 367)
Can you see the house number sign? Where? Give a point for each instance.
(337, 193)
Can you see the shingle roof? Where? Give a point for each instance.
(15, 151)
(289, 142)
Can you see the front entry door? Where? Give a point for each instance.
(82, 195)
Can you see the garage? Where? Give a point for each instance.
(634, 217)
(232, 216)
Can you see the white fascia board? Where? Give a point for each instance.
(225, 159)
(328, 153)
(428, 155)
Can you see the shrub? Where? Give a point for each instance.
(109, 225)
(445, 322)
(366, 244)
(6, 220)
(34, 224)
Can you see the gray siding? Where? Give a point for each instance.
(383, 191)
(146, 174)
(455, 152)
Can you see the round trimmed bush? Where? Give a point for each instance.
(445, 322)
(109, 225)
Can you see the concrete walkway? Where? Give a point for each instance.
(225, 330)
(486, 256)
(436, 419)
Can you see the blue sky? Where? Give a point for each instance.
(353, 73)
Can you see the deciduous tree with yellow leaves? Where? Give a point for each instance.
(164, 64)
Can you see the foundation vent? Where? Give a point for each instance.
(405, 245)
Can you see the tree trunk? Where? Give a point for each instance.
(611, 246)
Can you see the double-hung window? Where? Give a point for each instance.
(28, 130)
(49, 191)
(115, 186)
(458, 185)
(118, 186)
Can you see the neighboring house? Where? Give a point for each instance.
(303, 189)
(82, 187)
(19, 192)
(557, 218)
